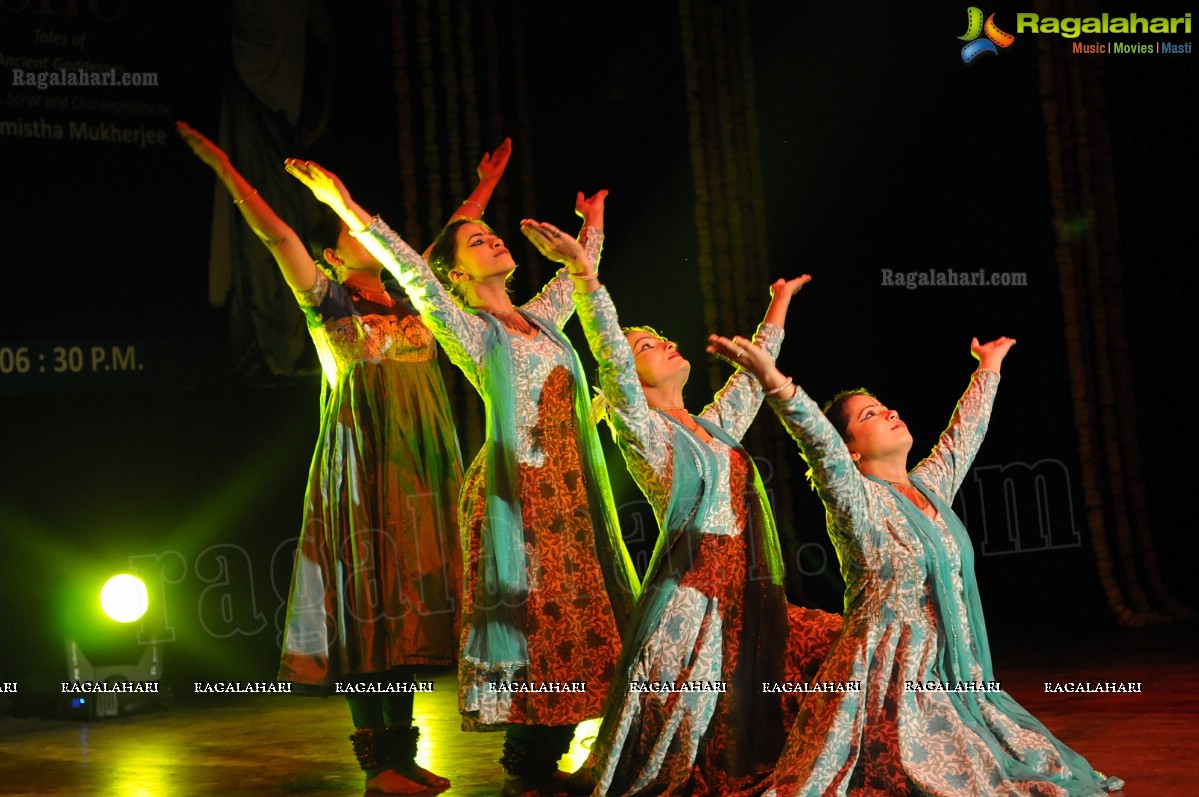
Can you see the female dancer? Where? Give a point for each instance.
(713, 613)
(377, 572)
(549, 585)
(930, 718)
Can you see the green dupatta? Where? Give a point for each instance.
(497, 638)
(954, 659)
(764, 629)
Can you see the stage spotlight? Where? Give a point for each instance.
(124, 598)
(127, 678)
(106, 691)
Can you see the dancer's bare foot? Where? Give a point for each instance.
(416, 772)
(391, 782)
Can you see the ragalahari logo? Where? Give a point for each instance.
(975, 27)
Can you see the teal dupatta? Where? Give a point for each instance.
(497, 639)
(955, 658)
(764, 630)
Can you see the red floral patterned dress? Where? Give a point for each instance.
(570, 626)
(707, 742)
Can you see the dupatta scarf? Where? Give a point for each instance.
(955, 659)
(764, 630)
(497, 637)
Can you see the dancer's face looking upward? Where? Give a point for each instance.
(657, 359)
(872, 431)
(480, 255)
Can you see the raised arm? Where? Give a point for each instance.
(580, 258)
(554, 302)
(591, 210)
(840, 487)
(285, 246)
(643, 440)
(490, 169)
(781, 292)
(460, 333)
(945, 468)
(736, 404)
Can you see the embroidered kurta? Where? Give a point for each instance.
(714, 613)
(376, 579)
(912, 619)
(548, 584)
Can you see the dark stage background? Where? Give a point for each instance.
(145, 427)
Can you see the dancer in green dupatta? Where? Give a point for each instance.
(687, 713)
(377, 571)
(929, 718)
(548, 586)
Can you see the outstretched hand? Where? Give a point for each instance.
(740, 353)
(744, 353)
(557, 245)
(591, 209)
(324, 184)
(204, 149)
(492, 165)
(990, 355)
(784, 287)
(781, 291)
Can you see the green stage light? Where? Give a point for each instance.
(124, 598)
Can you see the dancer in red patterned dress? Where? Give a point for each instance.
(376, 581)
(549, 586)
(928, 716)
(713, 610)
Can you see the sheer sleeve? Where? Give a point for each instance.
(314, 296)
(735, 405)
(840, 487)
(554, 303)
(945, 468)
(459, 332)
(643, 438)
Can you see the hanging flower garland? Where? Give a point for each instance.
(1075, 345)
(1089, 270)
(703, 198)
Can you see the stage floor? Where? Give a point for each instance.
(288, 745)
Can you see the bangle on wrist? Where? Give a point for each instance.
(584, 277)
(482, 210)
(778, 390)
(250, 195)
